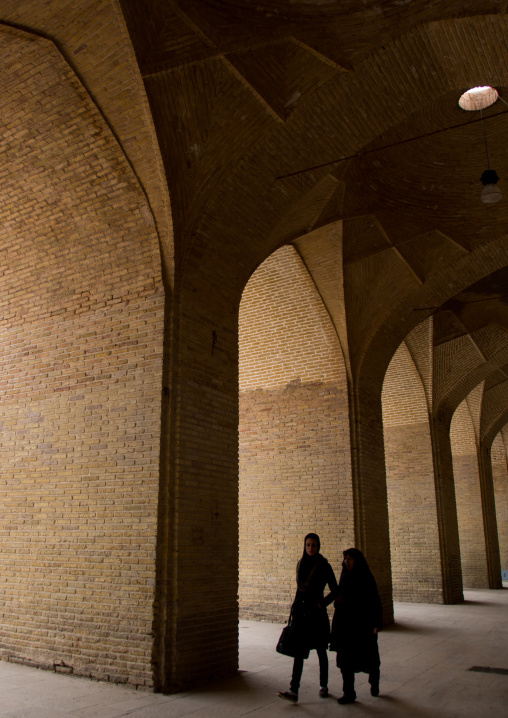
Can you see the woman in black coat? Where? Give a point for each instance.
(310, 619)
(356, 622)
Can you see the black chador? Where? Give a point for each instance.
(357, 619)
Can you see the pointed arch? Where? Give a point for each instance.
(414, 540)
(295, 465)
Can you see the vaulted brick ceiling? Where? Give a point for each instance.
(244, 93)
(471, 346)
(224, 78)
(485, 302)
(176, 32)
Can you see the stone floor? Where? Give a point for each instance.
(424, 673)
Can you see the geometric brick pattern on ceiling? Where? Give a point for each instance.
(321, 252)
(289, 67)
(276, 73)
(474, 401)
(420, 345)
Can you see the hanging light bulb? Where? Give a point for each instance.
(490, 192)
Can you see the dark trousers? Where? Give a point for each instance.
(348, 681)
(323, 670)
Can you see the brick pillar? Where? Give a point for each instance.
(414, 540)
(500, 476)
(448, 529)
(369, 488)
(489, 516)
(468, 499)
(470, 518)
(197, 585)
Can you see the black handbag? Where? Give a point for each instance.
(292, 640)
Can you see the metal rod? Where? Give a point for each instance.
(387, 147)
(485, 138)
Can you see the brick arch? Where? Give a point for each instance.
(496, 413)
(274, 213)
(379, 324)
(414, 541)
(295, 464)
(251, 183)
(233, 234)
(463, 364)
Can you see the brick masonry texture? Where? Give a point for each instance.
(489, 515)
(157, 141)
(468, 498)
(500, 476)
(81, 327)
(93, 36)
(295, 472)
(414, 540)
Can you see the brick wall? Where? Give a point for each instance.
(451, 567)
(414, 541)
(500, 475)
(468, 498)
(493, 556)
(372, 531)
(295, 467)
(198, 582)
(81, 326)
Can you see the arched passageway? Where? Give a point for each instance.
(414, 539)
(295, 467)
(236, 107)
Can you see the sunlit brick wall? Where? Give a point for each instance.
(81, 326)
(414, 542)
(295, 469)
(500, 476)
(468, 497)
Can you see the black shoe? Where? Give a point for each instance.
(346, 699)
(374, 690)
(288, 696)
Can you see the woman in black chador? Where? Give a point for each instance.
(310, 618)
(356, 622)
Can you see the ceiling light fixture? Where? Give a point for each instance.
(478, 98)
(489, 179)
(490, 192)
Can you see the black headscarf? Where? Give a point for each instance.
(360, 573)
(307, 563)
(360, 568)
(358, 594)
